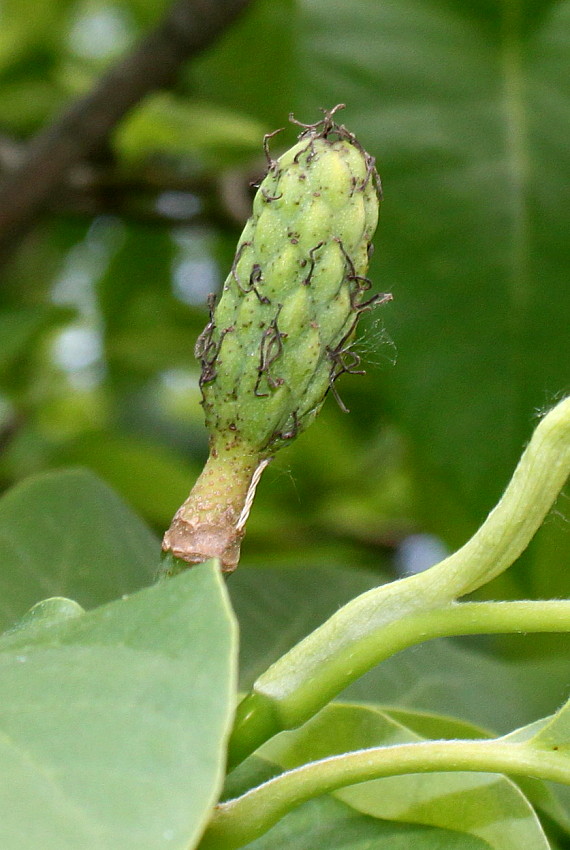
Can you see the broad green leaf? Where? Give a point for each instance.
(554, 733)
(67, 533)
(543, 795)
(172, 126)
(492, 807)
(327, 823)
(453, 678)
(56, 609)
(113, 724)
(467, 108)
(547, 797)
(434, 726)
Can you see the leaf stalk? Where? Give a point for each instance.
(239, 821)
(384, 620)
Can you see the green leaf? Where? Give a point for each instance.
(168, 125)
(146, 328)
(67, 533)
(27, 102)
(492, 807)
(259, 51)
(19, 330)
(554, 733)
(326, 822)
(435, 726)
(466, 107)
(453, 678)
(29, 25)
(113, 724)
(56, 609)
(153, 480)
(544, 796)
(449, 677)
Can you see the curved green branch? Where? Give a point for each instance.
(385, 619)
(474, 618)
(237, 822)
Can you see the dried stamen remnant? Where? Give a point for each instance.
(283, 328)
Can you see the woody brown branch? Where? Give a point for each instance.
(188, 28)
(101, 188)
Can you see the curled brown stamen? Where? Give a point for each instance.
(270, 350)
(312, 261)
(272, 164)
(255, 275)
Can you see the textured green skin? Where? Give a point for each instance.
(320, 191)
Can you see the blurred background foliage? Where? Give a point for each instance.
(465, 105)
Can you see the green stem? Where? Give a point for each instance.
(239, 821)
(256, 719)
(473, 618)
(352, 640)
(211, 522)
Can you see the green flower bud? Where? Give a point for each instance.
(282, 331)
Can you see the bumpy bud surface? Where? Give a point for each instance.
(281, 333)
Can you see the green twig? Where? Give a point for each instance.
(353, 640)
(475, 618)
(238, 821)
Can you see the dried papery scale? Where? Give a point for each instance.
(282, 330)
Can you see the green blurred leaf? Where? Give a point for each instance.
(365, 496)
(492, 807)
(429, 725)
(168, 125)
(67, 533)
(146, 350)
(551, 555)
(467, 108)
(26, 102)
(146, 328)
(138, 270)
(326, 823)
(30, 29)
(20, 329)
(114, 723)
(153, 479)
(254, 67)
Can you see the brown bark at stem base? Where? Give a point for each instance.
(210, 523)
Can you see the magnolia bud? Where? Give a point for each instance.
(282, 331)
